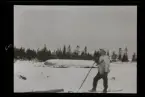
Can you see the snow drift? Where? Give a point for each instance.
(69, 63)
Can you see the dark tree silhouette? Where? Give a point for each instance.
(77, 50)
(68, 54)
(85, 50)
(30, 54)
(64, 51)
(114, 56)
(69, 49)
(82, 54)
(125, 56)
(43, 54)
(119, 55)
(108, 52)
(22, 53)
(96, 56)
(133, 57)
(16, 53)
(95, 53)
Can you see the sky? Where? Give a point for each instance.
(109, 27)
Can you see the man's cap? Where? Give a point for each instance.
(102, 50)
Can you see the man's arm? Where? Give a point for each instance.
(107, 65)
(100, 61)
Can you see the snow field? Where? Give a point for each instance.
(41, 77)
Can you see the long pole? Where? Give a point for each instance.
(86, 77)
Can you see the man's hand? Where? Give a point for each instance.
(101, 61)
(97, 64)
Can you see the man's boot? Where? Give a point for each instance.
(105, 91)
(92, 90)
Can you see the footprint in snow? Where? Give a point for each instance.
(112, 78)
(46, 76)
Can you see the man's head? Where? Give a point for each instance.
(102, 52)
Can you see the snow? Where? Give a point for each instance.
(44, 77)
(69, 63)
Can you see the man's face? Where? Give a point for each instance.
(102, 52)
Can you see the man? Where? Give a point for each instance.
(103, 70)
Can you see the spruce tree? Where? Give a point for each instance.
(96, 56)
(76, 52)
(108, 52)
(43, 54)
(85, 50)
(119, 54)
(114, 56)
(64, 51)
(77, 49)
(124, 58)
(133, 58)
(69, 49)
(126, 55)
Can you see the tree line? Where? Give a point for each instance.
(67, 53)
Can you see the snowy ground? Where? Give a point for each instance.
(43, 76)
